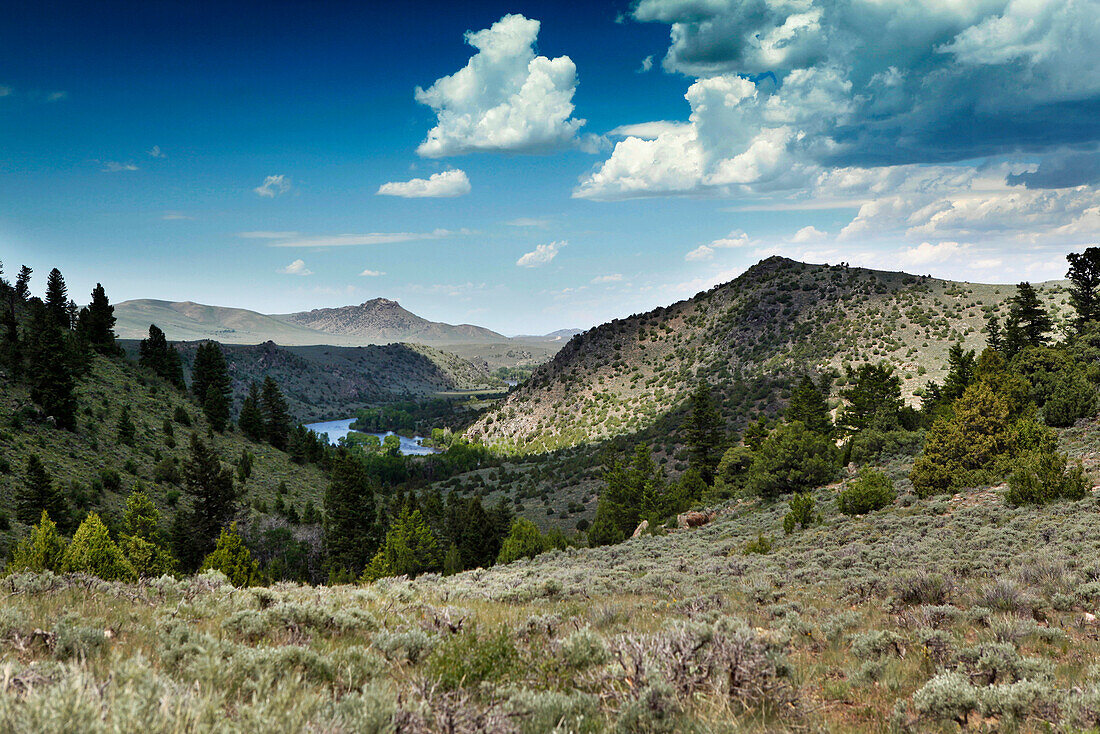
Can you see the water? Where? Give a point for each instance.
(335, 430)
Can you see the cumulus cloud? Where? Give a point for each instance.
(610, 278)
(541, 255)
(808, 234)
(298, 267)
(273, 186)
(156, 152)
(506, 98)
(438, 185)
(368, 273)
(706, 252)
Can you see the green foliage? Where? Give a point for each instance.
(632, 492)
(874, 398)
(792, 459)
(97, 322)
(760, 545)
(141, 541)
(232, 557)
(802, 513)
(43, 550)
(214, 497)
(276, 416)
(48, 366)
(409, 548)
(1043, 476)
(871, 490)
(38, 493)
(467, 659)
(1028, 321)
(352, 531)
(210, 384)
(732, 472)
(251, 419)
(157, 356)
(704, 432)
(809, 407)
(92, 551)
(523, 541)
(126, 431)
(1084, 290)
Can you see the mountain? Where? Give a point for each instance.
(561, 335)
(187, 321)
(327, 382)
(777, 320)
(382, 320)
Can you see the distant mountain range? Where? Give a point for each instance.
(378, 321)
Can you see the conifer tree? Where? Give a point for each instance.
(10, 354)
(57, 300)
(42, 550)
(1084, 290)
(251, 420)
(523, 541)
(1028, 321)
(410, 549)
(48, 368)
(874, 398)
(275, 413)
(211, 385)
(808, 405)
(22, 284)
(92, 551)
(160, 358)
(38, 493)
(97, 322)
(352, 531)
(214, 498)
(232, 557)
(126, 430)
(994, 334)
(216, 408)
(704, 432)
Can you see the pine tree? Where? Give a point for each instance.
(97, 322)
(38, 493)
(22, 283)
(157, 356)
(251, 420)
(275, 413)
(994, 334)
(216, 408)
(232, 557)
(126, 430)
(92, 551)
(1028, 321)
(10, 352)
(874, 398)
(214, 499)
(409, 549)
(42, 550)
(352, 531)
(57, 300)
(1084, 290)
(704, 432)
(211, 385)
(523, 541)
(808, 405)
(48, 368)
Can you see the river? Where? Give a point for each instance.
(335, 430)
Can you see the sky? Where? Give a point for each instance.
(531, 166)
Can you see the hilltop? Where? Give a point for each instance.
(777, 320)
(323, 382)
(381, 320)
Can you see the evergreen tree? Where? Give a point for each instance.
(92, 551)
(211, 385)
(97, 322)
(1028, 322)
(1084, 290)
(961, 365)
(160, 358)
(216, 408)
(141, 540)
(808, 405)
(874, 398)
(57, 300)
(352, 531)
(126, 430)
(410, 549)
(22, 284)
(48, 368)
(994, 334)
(232, 557)
(214, 499)
(275, 413)
(38, 493)
(704, 432)
(792, 459)
(523, 541)
(251, 420)
(42, 550)
(10, 352)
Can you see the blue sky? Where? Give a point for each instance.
(534, 166)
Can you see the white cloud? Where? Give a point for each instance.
(926, 253)
(648, 130)
(808, 234)
(612, 278)
(298, 267)
(156, 152)
(647, 64)
(506, 99)
(171, 216)
(527, 222)
(273, 186)
(371, 238)
(266, 235)
(735, 239)
(541, 255)
(442, 184)
(116, 166)
(371, 273)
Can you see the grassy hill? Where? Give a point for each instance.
(187, 321)
(777, 320)
(97, 472)
(382, 320)
(323, 382)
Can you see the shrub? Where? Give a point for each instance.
(761, 545)
(871, 490)
(231, 557)
(466, 659)
(584, 649)
(1044, 476)
(802, 513)
(947, 697)
(92, 551)
(523, 541)
(792, 459)
(922, 587)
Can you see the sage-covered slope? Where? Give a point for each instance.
(779, 318)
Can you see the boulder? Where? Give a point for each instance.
(642, 527)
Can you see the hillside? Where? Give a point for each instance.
(187, 321)
(325, 382)
(381, 320)
(778, 319)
